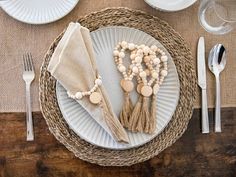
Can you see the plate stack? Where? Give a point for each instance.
(74, 127)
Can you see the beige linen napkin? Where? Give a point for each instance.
(73, 65)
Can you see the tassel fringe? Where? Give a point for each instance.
(126, 111)
(135, 115)
(153, 115)
(116, 128)
(145, 115)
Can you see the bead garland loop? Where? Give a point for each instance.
(149, 67)
(94, 97)
(128, 74)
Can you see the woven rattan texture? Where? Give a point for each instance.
(182, 57)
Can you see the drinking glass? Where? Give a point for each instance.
(217, 16)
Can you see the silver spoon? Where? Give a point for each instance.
(216, 63)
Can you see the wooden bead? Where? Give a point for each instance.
(155, 75)
(78, 95)
(140, 52)
(93, 89)
(131, 46)
(156, 61)
(164, 73)
(95, 98)
(139, 87)
(155, 89)
(146, 50)
(164, 58)
(146, 91)
(146, 59)
(116, 53)
(138, 59)
(121, 54)
(98, 81)
(121, 68)
(124, 44)
(142, 74)
(154, 48)
(135, 69)
(127, 85)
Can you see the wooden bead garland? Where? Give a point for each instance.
(94, 97)
(126, 83)
(158, 74)
(142, 119)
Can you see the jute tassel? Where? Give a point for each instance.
(152, 127)
(145, 119)
(142, 115)
(135, 116)
(126, 111)
(118, 133)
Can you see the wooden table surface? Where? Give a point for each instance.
(193, 155)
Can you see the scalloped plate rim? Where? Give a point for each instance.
(170, 9)
(41, 22)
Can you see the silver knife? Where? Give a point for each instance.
(201, 71)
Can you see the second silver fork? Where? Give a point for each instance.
(28, 76)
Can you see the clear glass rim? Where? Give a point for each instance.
(219, 16)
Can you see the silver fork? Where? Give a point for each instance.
(28, 76)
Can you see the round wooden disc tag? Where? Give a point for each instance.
(146, 91)
(127, 85)
(122, 82)
(95, 98)
(139, 87)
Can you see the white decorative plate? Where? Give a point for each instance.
(104, 40)
(37, 11)
(170, 5)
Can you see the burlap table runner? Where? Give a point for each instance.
(17, 38)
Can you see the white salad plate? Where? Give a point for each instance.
(37, 11)
(79, 120)
(170, 5)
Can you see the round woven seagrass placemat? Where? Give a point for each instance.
(181, 55)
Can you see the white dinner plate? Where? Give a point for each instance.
(170, 5)
(104, 40)
(37, 11)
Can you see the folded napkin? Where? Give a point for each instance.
(73, 65)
